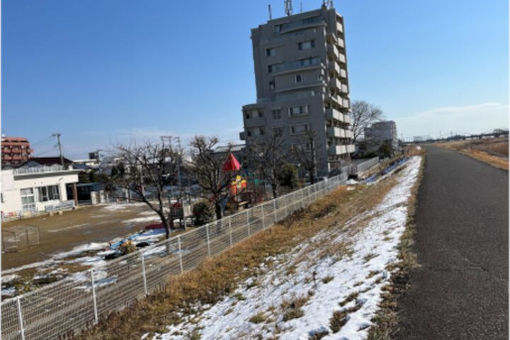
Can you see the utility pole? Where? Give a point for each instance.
(57, 134)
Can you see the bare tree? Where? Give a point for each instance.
(363, 115)
(268, 158)
(305, 152)
(147, 169)
(208, 170)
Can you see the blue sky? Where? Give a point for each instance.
(104, 72)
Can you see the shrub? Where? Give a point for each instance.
(203, 213)
(288, 177)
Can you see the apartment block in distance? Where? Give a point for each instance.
(302, 84)
(381, 132)
(15, 150)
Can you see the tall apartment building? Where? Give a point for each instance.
(381, 132)
(15, 150)
(302, 84)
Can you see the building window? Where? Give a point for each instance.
(27, 199)
(310, 61)
(247, 115)
(260, 114)
(275, 67)
(277, 114)
(298, 110)
(272, 85)
(297, 129)
(299, 78)
(305, 45)
(48, 193)
(270, 52)
(277, 28)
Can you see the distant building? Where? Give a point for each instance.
(15, 150)
(34, 188)
(302, 85)
(380, 133)
(239, 151)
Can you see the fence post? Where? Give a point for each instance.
(274, 211)
(208, 244)
(248, 221)
(180, 253)
(94, 295)
(263, 217)
(20, 317)
(143, 275)
(230, 229)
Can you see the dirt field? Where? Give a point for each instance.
(73, 228)
(493, 151)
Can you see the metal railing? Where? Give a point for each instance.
(68, 306)
(37, 170)
(364, 166)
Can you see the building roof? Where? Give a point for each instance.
(46, 161)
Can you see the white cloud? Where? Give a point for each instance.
(457, 119)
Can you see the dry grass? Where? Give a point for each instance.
(221, 275)
(491, 151)
(386, 320)
(339, 318)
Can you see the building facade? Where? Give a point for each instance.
(380, 133)
(29, 190)
(15, 150)
(302, 85)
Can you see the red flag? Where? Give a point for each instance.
(231, 164)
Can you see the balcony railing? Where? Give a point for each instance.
(334, 114)
(337, 132)
(347, 118)
(350, 148)
(296, 65)
(337, 149)
(334, 67)
(341, 58)
(335, 83)
(339, 27)
(37, 170)
(289, 96)
(302, 24)
(344, 89)
(343, 73)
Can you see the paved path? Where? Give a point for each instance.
(461, 289)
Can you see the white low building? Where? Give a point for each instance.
(30, 190)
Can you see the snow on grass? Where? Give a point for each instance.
(142, 219)
(298, 297)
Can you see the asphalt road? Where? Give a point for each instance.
(461, 289)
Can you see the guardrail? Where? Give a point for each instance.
(64, 308)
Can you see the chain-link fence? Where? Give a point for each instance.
(19, 238)
(63, 308)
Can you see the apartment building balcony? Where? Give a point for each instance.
(335, 150)
(345, 102)
(334, 68)
(289, 96)
(335, 84)
(348, 134)
(350, 148)
(344, 89)
(302, 24)
(341, 58)
(341, 43)
(333, 51)
(299, 65)
(347, 119)
(339, 27)
(334, 114)
(343, 73)
(336, 132)
(300, 86)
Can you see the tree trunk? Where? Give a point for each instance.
(312, 177)
(217, 208)
(274, 186)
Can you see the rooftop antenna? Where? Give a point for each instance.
(270, 12)
(301, 7)
(288, 7)
(330, 4)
